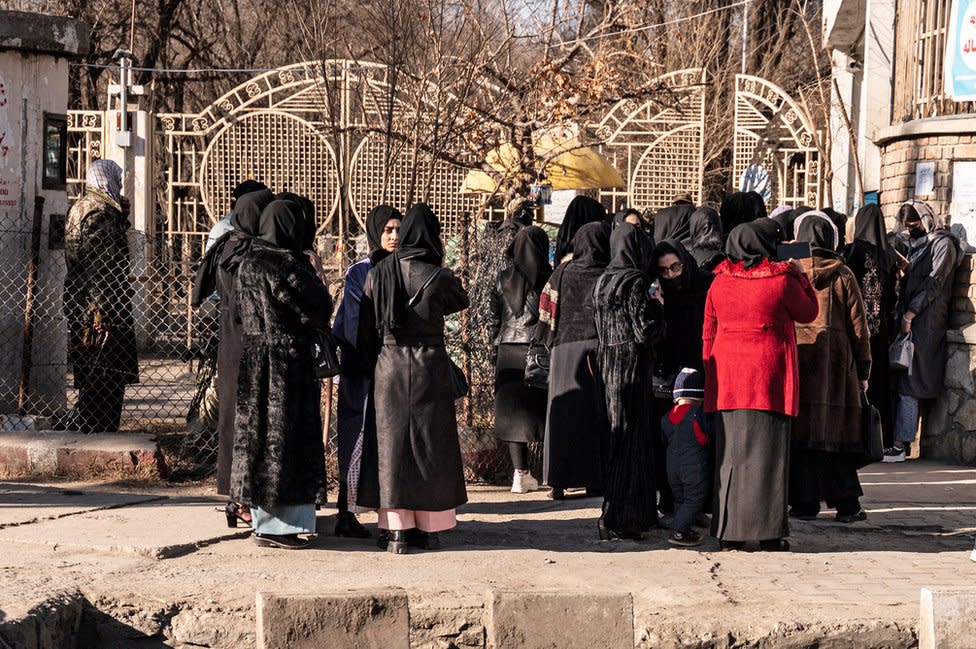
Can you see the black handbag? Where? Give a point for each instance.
(537, 367)
(325, 356)
(871, 432)
(459, 383)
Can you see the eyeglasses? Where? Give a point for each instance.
(673, 269)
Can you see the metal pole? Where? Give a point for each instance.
(745, 37)
(32, 271)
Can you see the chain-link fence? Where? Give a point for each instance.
(144, 360)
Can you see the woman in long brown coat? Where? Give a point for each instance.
(835, 362)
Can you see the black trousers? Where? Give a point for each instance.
(820, 476)
(100, 397)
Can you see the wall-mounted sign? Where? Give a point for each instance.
(924, 179)
(960, 54)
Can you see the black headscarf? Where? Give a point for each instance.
(621, 217)
(869, 227)
(706, 229)
(307, 209)
(376, 222)
(420, 241)
(529, 255)
(229, 249)
(591, 246)
(581, 210)
(283, 226)
(840, 220)
(247, 187)
(752, 242)
(630, 251)
(739, 208)
(674, 222)
(817, 229)
(689, 272)
(787, 220)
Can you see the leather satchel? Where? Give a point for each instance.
(900, 352)
(325, 356)
(537, 367)
(871, 432)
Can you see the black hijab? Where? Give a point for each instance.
(817, 229)
(591, 246)
(307, 209)
(376, 222)
(689, 272)
(247, 187)
(674, 222)
(529, 255)
(621, 217)
(752, 242)
(581, 210)
(788, 221)
(419, 241)
(839, 219)
(283, 226)
(630, 251)
(706, 229)
(229, 249)
(869, 227)
(739, 208)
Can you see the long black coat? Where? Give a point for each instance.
(411, 455)
(926, 290)
(279, 455)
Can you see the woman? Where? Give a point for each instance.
(581, 210)
(632, 216)
(706, 238)
(751, 382)
(577, 432)
(834, 356)
(412, 467)
(741, 207)
(279, 456)
(674, 222)
(684, 288)
(519, 409)
(98, 300)
(219, 270)
(382, 236)
(874, 264)
(628, 322)
(923, 311)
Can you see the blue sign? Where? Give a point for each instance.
(960, 53)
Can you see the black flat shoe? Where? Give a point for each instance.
(557, 493)
(423, 540)
(397, 542)
(774, 545)
(860, 515)
(728, 546)
(606, 534)
(283, 541)
(233, 511)
(347, 525)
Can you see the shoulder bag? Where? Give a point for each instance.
(871, 432)
(537, 366)
(325, 357)
(900, 352)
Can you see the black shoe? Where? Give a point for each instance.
(802, 516)
(397, 542)
(284, 541)
(556, 493)
(594, 492)
(234, 513)
(729, 546)
(383, 540)
(606, 534)
(423, 540)
(347, 525)
(684, 539)
(774, 545)
(859, 515)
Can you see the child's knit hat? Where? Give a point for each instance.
(689, 384)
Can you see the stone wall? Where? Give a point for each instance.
(950, 427)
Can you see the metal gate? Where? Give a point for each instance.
(776, 149)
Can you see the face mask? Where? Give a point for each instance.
(916, 232)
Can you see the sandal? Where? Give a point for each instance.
(235, 512)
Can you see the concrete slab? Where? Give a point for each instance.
(947, 618)
(346, 620)
(21, 504)
(157, 530)
(560, 620)
(35, 453)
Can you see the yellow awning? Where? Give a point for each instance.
(570, 166)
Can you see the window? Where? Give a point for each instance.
(55, 151)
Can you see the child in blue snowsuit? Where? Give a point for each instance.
(687, 434)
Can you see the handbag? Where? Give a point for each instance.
(901, 351)
(871, 432)
(459, 383)
(537, 367)
(325, 358)
(663, 386)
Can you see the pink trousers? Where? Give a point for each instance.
(405, 519)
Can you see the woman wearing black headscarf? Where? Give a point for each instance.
(382, 231)
(581, 210)
(279, 457)
(707, 246)
(673, 222)
(411, 468)
(628, 323)
(874, 264)
(577, 433)
(752, 383)
(520, 410)
(218, 271)
(632, 216)
(739, 208)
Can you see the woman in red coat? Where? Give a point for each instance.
(751, 382)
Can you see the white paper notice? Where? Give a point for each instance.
(924, 179)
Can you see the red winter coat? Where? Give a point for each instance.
(749, 338)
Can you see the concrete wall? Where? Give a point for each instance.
(33, 80)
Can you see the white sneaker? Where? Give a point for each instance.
(894, 454)
(523, 482)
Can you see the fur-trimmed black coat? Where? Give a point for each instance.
(279, 456)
